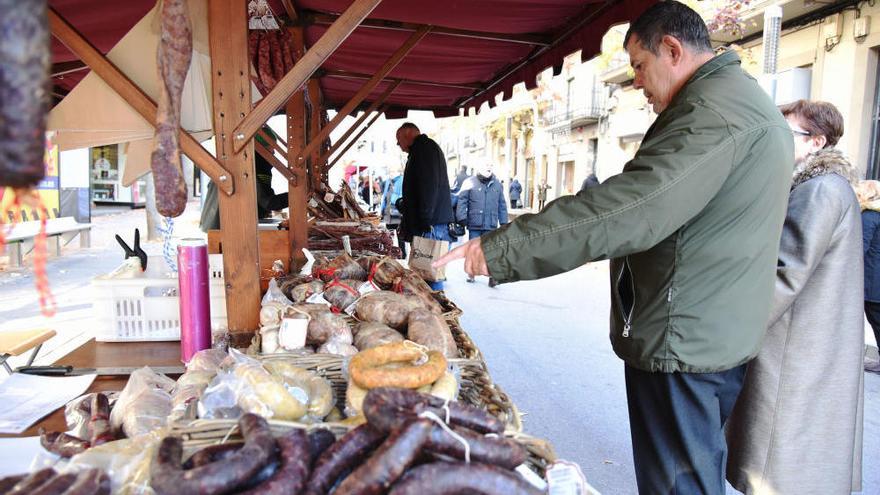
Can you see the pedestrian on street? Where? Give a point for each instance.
(392, 192)
(426, 204)
(515, 192)
(481, 207)
(542, 193)
(590, 181)
(868, 193)
(692, 226)
(797, 426)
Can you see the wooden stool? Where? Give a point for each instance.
(18, 342)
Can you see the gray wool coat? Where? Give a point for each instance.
(797, 425)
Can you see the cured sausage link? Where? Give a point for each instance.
(291, 477)
(24, 91)
(449, 478)
(91, 482)
(343, 455)
(388, 408)
(174, 56)
(390, 461)
(167, 476)
(496, 451)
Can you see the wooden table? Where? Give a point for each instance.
(108, 354)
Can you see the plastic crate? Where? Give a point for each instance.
(147, 308)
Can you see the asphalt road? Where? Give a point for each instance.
(546, 344)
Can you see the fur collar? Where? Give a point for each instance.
(824, 162)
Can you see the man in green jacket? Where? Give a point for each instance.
(692, 227)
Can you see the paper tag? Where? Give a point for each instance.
(566, 478)
(293, 332)
(318, 298)
(367, 287)
(350, 309)
(310, 260)
(531, 477)
(313, 203)
(329, 197)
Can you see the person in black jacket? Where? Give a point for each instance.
(426, 204)
(868, 192)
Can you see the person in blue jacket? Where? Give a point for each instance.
(481, 206)
(868, 193)
(388, 211)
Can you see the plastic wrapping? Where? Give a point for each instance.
(189, 388)
(78, 413)
(274, 294)
(314, 390)
(207, 360)
(144, 404)
(127, 462)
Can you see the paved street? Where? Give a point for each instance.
(545, 341)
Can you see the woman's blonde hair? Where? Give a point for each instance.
(868, 191)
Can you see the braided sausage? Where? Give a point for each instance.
(390, 461)
(174, 56)
(389, 408)
(167, 477)
(345, 454)
(275, 55)
(450, 478)
(293, 472)
(24, 91)
(264, 65)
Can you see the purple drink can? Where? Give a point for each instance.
(195, 297)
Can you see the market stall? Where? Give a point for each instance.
(357, 347)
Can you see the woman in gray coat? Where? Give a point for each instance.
(797, 425)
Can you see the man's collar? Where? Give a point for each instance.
(723, 59)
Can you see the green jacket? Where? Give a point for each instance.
(692, 224)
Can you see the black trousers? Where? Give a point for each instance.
(512, 204)
(677, 428)
(872, 312)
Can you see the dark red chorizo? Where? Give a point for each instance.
(343, 455)
(388, 408)
(287, 50)
(212, 453)
(389, 462)
(8, 482)
(450, 478)
(99, 425)
(293, 472)
(167, 477)
(62, 444)
(56, 485)
(32, 481)
(319, 441)
(174, 56)
(275, 54)
(91, 482)
(24, 91)
(264, 64)
(497, 451)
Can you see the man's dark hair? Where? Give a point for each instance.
(673, 18)
(410, 125)
(819, 118)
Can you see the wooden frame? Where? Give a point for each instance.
(356, 137)
(298, 189)
(139, 101)
(343, 74)
(365, 90)
(231, 93)
(302, 70)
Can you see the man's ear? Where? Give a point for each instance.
(672, 46)
(820, 141)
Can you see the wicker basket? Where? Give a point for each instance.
(204, 432)
(475, 387)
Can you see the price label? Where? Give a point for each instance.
(318, 298)
(566, 478)
(293, 332)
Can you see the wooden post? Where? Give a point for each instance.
(303, 70)
(139, 101)
(231, 87)
(358, 136)
(366, 89)
(315, 167)
(372, 108)
(298, 188)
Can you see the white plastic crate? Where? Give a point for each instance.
(147, 308)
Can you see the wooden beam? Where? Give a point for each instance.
(62, 68)
(344, 74)
(273, 160)
(231, 92)
(290, 9)
(303, 70)
(526, 39)
(297, 189)
(366, 89)
(314, 167)
(272, 142)
(138, 100)
(358, 136)
(339, 142)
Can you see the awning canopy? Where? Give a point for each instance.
(478, 48)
